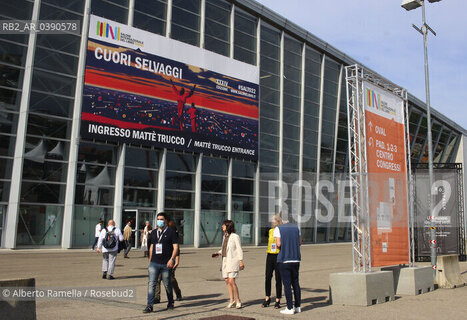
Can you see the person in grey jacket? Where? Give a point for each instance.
(232, 261)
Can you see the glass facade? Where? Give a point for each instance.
(245, 36)
(150, 15)
(302, 131)
(185, 24)
(140, 178)
(217, 26)
(95, 188)
(13, 50)
(243, 199)
(213, 199)
(180, 192)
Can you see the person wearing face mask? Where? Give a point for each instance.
(163, 249)
(173, 280)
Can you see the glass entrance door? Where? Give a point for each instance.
(138, 219)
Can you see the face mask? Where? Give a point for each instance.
(160, 223)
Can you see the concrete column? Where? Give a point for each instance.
(463, 158)
(338, 104)
(302, 134)
(131, 12)
(258, 43)
(118, 190)
(257, 174)
(161, 182)
(257, 214)
(197, 218)
(67, 230)
(336, 127)
(202, 19)
(281, 122)
(168, 25)
(229, 190)
(318, 152)
(232, 30)
(12, 213)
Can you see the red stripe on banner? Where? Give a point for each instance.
(159, 89)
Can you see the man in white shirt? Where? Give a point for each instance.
(108, 245)
(97, 232)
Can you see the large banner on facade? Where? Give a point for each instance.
(445, 211)
(387, 176)
(145, 89)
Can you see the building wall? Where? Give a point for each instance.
(54, 186)
(461, 157)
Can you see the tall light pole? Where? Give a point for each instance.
(410, 5)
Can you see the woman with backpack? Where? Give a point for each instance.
(108, 241)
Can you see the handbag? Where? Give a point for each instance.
(121, 245)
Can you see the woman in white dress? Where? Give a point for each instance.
(144, 238)
(232, 261)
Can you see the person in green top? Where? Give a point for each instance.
(271, 265)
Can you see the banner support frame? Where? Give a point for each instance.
(358, 173)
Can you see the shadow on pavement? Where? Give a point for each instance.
(132, 277)
(316, 302)
(205, 303)
(201, 296)
(258, 302)
(314, 290)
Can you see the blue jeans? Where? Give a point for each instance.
(153, 270)
(289, 275)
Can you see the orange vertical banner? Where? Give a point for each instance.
(387, 176)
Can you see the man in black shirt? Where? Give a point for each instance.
(163, 248)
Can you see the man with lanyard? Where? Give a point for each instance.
(163, 248)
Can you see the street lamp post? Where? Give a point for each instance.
(410, 5)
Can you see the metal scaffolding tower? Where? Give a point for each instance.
(358, 169)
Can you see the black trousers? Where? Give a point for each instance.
(271, 266)
(174, 282)
(289, 273)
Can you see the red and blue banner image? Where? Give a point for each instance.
(131, 96)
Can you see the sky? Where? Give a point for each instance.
(379, 34)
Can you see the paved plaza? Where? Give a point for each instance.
(205, 293)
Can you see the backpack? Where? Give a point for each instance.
(109, 241)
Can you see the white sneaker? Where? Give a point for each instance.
(298, 310)
(288, 311)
